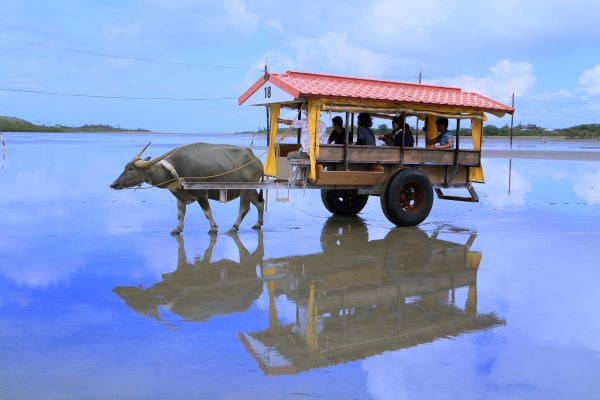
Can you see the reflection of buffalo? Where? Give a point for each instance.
(360, 298)
(356, 298)
(201, 289)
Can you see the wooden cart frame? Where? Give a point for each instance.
(404, 178)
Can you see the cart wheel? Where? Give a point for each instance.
(343, 233)
(407, 198)
(344, 202)
(406, 251)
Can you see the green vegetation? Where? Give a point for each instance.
(12, 124)
(382, 129)
(589, 131)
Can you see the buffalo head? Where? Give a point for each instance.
(133, 174)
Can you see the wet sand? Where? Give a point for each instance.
(496, 299)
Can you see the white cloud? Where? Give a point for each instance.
(504, 78)
(557, 94)
(447, 26)
(590, 79)
(408, 26)
(237, 14)
(333, 52)
(586, 184)
(276, 25)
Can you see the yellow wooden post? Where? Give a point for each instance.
(314, 127)
(311, 319)
(471, 304)
(476, 173)
(473, 259)
(270, 162)
(273, 318)
(431, 132)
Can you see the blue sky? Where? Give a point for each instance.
(546, 51)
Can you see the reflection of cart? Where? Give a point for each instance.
(402, 291)
(404, 178)
(356, 298)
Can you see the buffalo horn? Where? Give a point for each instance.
(149, 163)
(139, 154)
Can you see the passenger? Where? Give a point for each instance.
(444, 138)
(409, 140)
(364, 134)
(338, 134)
(394, 138)
(304, 137)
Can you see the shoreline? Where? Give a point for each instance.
(543, 154)
(485, 138)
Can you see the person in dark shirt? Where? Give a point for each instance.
(394, 138)
(364, 134)
(338, 134)
(409, 140)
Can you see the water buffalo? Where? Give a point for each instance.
(213, 162)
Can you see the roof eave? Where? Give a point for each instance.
(275, 80)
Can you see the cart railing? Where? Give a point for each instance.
(395, 155)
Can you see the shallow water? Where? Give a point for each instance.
(496, 299)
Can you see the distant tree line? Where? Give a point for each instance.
(12, 124)
(588, 131)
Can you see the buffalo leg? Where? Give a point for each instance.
(180, 217)
(203, 201)
(209, 250)
(244, 208)
(260, 207)
(242, 250)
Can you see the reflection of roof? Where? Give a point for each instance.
(303, 84)
(359, 336)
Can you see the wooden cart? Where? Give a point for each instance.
(404, 178)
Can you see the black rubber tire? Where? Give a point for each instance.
(407, 251)
(344, 202)
(407, 198)
(343, 233)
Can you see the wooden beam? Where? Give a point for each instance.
(391, 155)
(359, 178)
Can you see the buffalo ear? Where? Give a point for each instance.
(147, 158)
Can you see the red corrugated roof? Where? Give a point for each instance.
(304, 84)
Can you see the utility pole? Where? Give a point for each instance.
(417, 138)
(512, 118)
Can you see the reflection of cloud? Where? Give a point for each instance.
(30, 254)
(14, 298)
(496, 186)
(469, 369)
(39, 271)
(587, 184)
(399, 374)
(286, 309)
